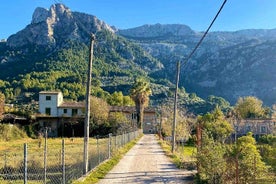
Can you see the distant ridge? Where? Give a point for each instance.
(157, 30)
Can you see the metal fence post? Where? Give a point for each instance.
(45, 155)
(25, 163)
(63, 161)
(124, 139)
(115, 142)
(5, 166)
(98, 150)
(109, 145)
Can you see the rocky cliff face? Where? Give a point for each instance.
(227, 64)
(58, 28)
(54, 26)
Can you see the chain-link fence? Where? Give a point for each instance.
(48, 162)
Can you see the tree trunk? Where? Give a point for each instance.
(140, 115)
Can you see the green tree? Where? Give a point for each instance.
(215, 125)
(140, 93)
(268, 153)
(118, 122)
(245, 161)
(184, 125)
(99, 110)
(211, 162)
(274, 111)
(213, 129)
(249, 107)
(214, 101)
(128, 101)
(116, 99)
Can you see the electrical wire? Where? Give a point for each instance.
(205, 33)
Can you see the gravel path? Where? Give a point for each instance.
(146, 163)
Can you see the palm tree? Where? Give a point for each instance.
(140, 93)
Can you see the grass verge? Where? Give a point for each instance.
(100, 171)
(183, 157)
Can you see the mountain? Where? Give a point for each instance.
(52, 52)
(227, 64)
(59, 28)
(55, 26)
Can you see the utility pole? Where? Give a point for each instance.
(175, 106)
(160, 131)
(87, 107)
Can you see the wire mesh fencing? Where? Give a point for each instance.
(57, 161)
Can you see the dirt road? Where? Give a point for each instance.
(146, 163)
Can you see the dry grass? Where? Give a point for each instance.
(12, 152)
(12, 158)
(183, 157)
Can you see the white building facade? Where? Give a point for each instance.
(51, 104)
(53, 111)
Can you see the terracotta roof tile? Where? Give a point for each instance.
(49, 92)
(73, 104)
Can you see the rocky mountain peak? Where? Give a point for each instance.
(40, 15)
(54, 26)
(55, 12)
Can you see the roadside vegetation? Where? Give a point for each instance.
(209, 148)
(203, 141)
(184, 156)
(100, 171)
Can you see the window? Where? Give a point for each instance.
(48, 98)
(74, 112)
(64, 111)
(248, 128)
(263, 129)
(48, 111)
(133, 116)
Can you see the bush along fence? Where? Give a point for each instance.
(58, 163)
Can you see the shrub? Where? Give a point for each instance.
(11, 132)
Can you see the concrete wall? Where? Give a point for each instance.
(53, 101)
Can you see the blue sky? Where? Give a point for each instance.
(236, 15)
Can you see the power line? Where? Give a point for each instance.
(178, 73)
(205, 33)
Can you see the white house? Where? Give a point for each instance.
(53, 111)
(51, 104)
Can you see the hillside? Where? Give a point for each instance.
(52, 52)
(227, 64)
(63, 49)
